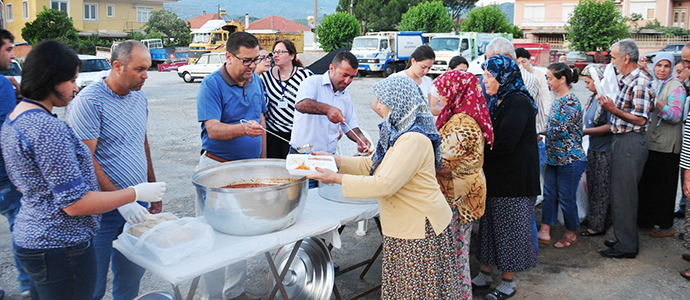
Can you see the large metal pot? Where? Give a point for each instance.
(334, 192)
(250, 211)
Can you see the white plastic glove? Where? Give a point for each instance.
(133, 213)
(149, 191)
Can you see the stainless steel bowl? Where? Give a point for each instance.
(250, 211)
(334, 192)
(310, 276)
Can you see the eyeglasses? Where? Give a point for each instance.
(248, 61)
(279, 52)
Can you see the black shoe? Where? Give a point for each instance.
(686, 256)
(336, 267)
(613, 253)
(610, 243)
(481, 287)
(679, 214)
(498, 295)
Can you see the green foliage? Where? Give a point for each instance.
(456, 7)
(337, 30)
(427, 16)
(166, 23)
(668, 31)
(50, 24)
(595, 25)
(377, 15)
(489, 18)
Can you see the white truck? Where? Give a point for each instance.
(470, 45)
(385, 52)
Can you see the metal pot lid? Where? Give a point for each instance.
(334, 192)
(311, 275)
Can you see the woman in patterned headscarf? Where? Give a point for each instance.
(418, 256)
(511, 166)
(598, 126)
(464, 126)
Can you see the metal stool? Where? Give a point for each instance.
(156, 295)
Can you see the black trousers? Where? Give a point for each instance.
(275, 147)
(657, 190)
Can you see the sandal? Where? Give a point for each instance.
(544, 242)
(565, 242)
(498, 295)
(589, 233)
(684, 274)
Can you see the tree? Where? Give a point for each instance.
(595, 25)
(50, 24)
(489, 19)
(456, 7)
(337, 30)
(377, 15)
(427, 16)
(170, 25)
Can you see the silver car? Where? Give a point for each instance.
(207, 64)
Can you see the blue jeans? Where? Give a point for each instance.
(10, 201)
(542, 159)
(60, 273)
(560, 187)
(126, 274)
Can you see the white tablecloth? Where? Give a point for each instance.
(320, 216)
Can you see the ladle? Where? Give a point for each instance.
(301, 149)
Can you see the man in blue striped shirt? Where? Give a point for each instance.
(110, 117)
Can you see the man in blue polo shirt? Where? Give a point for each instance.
(231, 106)
(110, 117)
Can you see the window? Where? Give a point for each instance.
(533, 13)
(110, 10)
(10, 17)
(568, 11)
(90, 11)
(60, 5)
(645, 8)
(214, 59)
(25, 10)
(143, 13)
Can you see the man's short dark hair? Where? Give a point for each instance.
(6, 35)
(345, 55)
(522, 52)
(48, 64)
(241, 39)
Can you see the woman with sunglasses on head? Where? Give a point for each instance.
(61, 203)
(281, 85)
(565, 157)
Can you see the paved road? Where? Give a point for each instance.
(575, 273)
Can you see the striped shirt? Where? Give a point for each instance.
(636, 97)
(119, 124)
(534, 89)
(281, 118)
(685, 146)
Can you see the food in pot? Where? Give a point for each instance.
(153, 220)
(248, 185)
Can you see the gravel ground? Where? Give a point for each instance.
(575, 273)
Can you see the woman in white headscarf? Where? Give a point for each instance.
(659, 182)
(418, 251)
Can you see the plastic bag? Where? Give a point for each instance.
(172, 241)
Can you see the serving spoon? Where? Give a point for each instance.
(301, 149)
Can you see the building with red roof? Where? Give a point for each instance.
(277, 24)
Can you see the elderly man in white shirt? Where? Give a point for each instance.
(324, 108)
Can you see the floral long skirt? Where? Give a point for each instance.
(420, 268)
(461, 237)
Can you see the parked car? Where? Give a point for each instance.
(15, 72)
(675, 49)
(579, 60)
(93, 67)
(206, 64)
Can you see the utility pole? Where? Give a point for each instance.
(316, 23)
